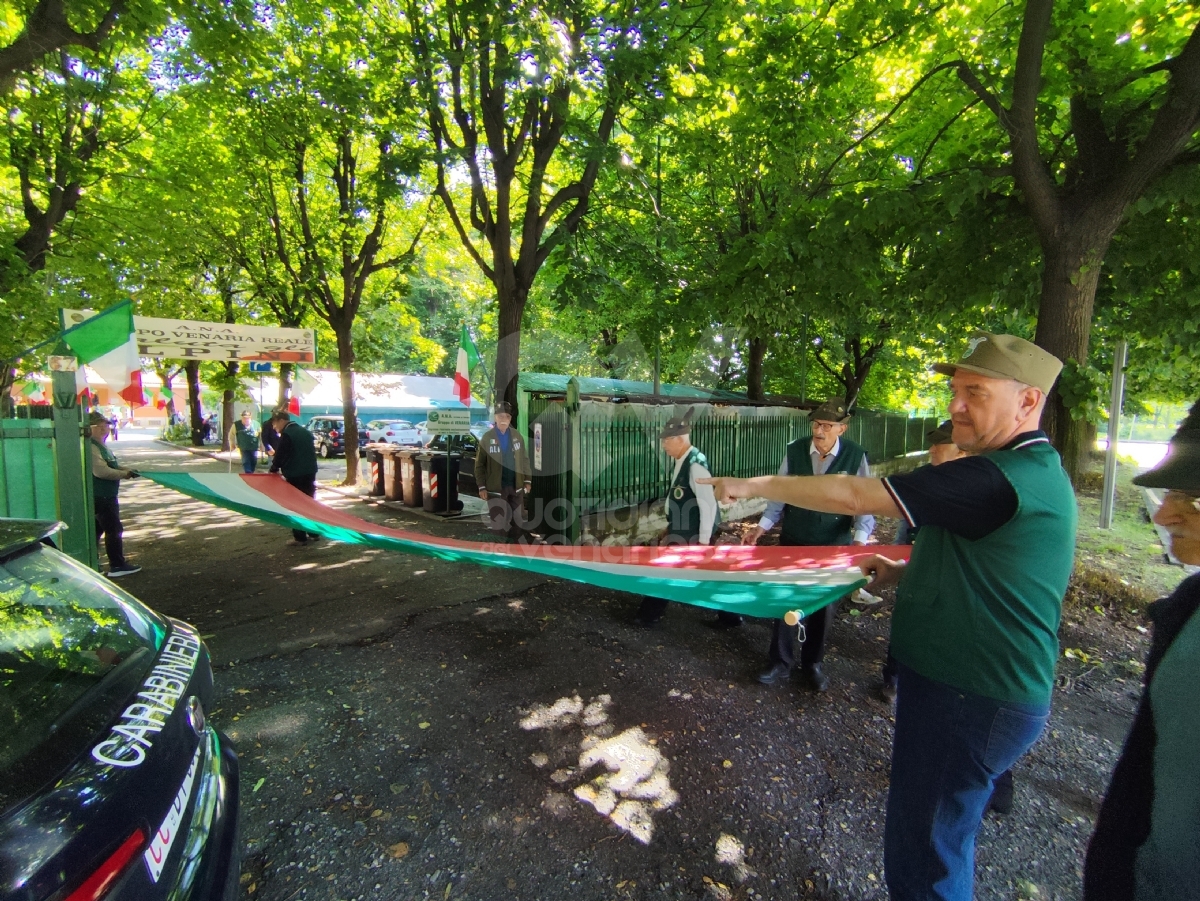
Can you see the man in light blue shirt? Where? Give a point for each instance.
(827, 452)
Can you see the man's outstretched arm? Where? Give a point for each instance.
(849, 495)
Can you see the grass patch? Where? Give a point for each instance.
(1118, 570)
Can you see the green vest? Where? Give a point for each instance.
(247, 438)
(106, 487)
(982, 616)
(683, 509)
(303, 461)
(807, 527)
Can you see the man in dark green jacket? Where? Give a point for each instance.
(296, 459)
(503, 475)
(975, 627)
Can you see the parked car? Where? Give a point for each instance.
(393, 431)
(113, 784)
(479, 428)
(423, 434)
(329, 435)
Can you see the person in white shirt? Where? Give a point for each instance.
(692, 510)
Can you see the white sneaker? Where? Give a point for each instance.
(865, 598)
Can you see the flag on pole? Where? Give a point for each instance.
(108, 343)
(303, 382)
(294, 405)
(468, 359)
(32, 392)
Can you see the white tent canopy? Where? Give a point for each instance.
(383, 390)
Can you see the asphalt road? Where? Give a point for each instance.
(413, 729)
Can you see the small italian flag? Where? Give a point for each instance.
(468, 359)
(108, 343)
(32, 392)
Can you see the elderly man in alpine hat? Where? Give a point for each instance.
(503, 475)
(828, 451)
(974, 631)
(1147, 840)
(692, 510)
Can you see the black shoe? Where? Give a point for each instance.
(125, 569)
(814, 678)
(647, 622)
(1001, 801)
(725, 621)
(887, 691)
(776, 672)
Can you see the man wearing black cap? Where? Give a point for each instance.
(1147, 839)
(296, 458)
(503, 475)
(107, 475)
(692, 510)
(829, 451)
(975, 628)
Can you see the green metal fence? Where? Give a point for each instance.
(593, 455)
(28, 487)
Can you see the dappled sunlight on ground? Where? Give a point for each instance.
(635, 783)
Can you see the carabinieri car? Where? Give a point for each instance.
(112, 784)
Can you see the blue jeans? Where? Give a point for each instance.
(949, 748)
(249, 460)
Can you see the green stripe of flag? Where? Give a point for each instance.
(102, 333)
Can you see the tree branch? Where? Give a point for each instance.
(46, 31)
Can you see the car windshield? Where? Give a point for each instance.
(72, 648)
(401, 424)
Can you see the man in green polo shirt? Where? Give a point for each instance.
(975, 626)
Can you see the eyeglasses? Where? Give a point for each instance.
(825, 426)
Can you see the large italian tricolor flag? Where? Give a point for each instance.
(756, 581)
(108, 343)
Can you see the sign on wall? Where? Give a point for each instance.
(180, 339)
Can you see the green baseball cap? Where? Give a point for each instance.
(833, 410)
(1180, 469)
(1006, 357)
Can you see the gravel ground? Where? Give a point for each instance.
(414, 729)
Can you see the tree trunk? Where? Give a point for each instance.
(754, 370)
(285, 384)
(1069, 280)
(510, 301)
(8, 377)
(227, 412)
(192, 369)
(349, 402)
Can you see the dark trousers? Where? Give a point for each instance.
(108, 527)
(812, 649)
(305, 485)
(506, 512)
(891, 670)
(249, 460)
(816, 629)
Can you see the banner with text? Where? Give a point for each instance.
(179, 339)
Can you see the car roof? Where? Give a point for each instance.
(18, 534)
